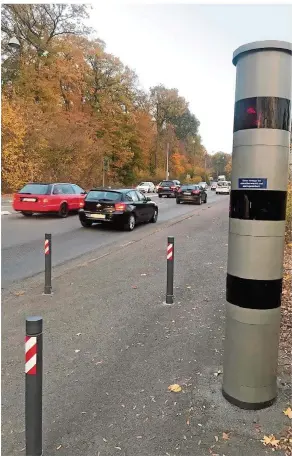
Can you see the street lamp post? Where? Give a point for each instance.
(164, 127)
(167, 160)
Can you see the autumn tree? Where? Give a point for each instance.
(219, 162)
(67, 104)
(228, 168)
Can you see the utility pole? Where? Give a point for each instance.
(103, 172)
(105, 163)
(167, 160)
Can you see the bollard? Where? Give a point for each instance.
(170, 270)
(48, 264)
(33, 385)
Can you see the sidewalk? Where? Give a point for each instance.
(112, 348)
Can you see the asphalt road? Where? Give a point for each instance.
(112, 348)
(23, 238)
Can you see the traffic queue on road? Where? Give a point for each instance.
(122, 207)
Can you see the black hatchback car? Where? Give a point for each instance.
(124, 208)
(168, 188)
(191, 193)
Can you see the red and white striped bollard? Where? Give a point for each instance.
(33, 386)
(170, 270)
(48, 264)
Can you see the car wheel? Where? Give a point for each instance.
(205, 200)
(200, 201)
(154, 217)
(86, 223)
(160, 196)
(177, 201)
(148, 190)
(130, 224)
(27, 214)
(64, 210)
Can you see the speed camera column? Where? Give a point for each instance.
(261, 138)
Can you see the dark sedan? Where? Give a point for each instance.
(168, 188)
(124, 208)
(191, 194)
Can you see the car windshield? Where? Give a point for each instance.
(167, 184)
(103, 195)
(35, 189)
(222, 184)
(143, 183)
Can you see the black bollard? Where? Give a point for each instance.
(170, 270)
(33, 386)
(48, 264)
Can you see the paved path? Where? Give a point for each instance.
(112, 348)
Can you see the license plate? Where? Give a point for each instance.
(29, 199)
(187, 193)
(97, 216)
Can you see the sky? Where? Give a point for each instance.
(190, 47)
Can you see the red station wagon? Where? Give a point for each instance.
(60, 198)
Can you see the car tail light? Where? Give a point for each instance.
(120, 206)
(195, 192)
(81, 204)
(179, 190)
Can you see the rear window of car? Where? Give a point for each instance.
(36, 189)
(94, 195)
(167, 184)
(222, 184)
(190, 187)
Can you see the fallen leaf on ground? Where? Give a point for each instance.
(19, 293)
(134, 286)
(216, 438)
(174, 388)
(77, 351)
(225, 436)
(78, 334)
(143, 274)
(270, 440)
(288, 412)
(58, 447)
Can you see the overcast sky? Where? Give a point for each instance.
(190, 47)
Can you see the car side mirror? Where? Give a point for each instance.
(84, 193)
(148, 198)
